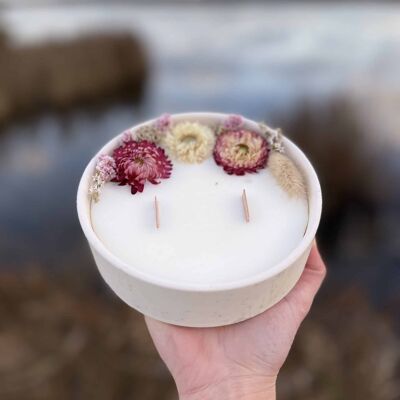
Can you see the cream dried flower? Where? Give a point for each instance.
(287, 174)
(95, 187)
(148, 132)
(154, 132)
(190, 142)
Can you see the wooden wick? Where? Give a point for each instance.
(157, 212)
(245, 206)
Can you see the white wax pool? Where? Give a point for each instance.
(203, 237)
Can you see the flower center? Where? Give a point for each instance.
(189, 139)
(242, 149)
(138, 160)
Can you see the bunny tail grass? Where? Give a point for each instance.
(287, 174)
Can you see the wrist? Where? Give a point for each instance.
(243, 388)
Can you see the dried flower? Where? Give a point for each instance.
(104, 172)
(273, 136)
(163, 122)
(155, 131)
(287, 174)
(106, 167)
(239, 152)
(233, 122)
(190, 142)
(149, 133)
(138, 162)
(95, 187)
(126, 136)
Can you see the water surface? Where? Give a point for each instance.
(262, 61)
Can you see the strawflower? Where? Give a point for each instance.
(190, 142)
(139, 162)
(241, 151)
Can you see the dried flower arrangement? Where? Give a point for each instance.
(144, 155)
(282, 167)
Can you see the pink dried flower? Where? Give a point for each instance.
(104, 172)
(138, 162)
(233, 122)
(242, 151)
(106, 167)
(126, 136)
(163, 122)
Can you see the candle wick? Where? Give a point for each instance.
(245, 206)
(157, 212)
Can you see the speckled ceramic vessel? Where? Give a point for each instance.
(188, 305)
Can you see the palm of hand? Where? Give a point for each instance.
(256, 348)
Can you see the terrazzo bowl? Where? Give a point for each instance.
(188, 305)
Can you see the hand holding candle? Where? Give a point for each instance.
(241, 361)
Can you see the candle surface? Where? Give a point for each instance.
(203, 236)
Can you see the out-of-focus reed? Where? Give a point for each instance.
(89, 69)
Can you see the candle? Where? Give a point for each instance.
(222, 210)
(200, 219)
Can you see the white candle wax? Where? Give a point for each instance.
(203, 237)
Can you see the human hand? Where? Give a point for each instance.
(239, 361)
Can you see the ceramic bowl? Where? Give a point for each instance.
(185, 304)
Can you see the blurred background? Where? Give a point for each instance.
(74, 74)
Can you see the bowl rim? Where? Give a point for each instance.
(314, 215)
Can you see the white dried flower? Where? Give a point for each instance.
(273, 136)
(96, 186)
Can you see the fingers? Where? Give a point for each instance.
(314, 271)
(315, 262)
(302, 295)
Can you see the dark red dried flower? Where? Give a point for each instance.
(138, 162)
